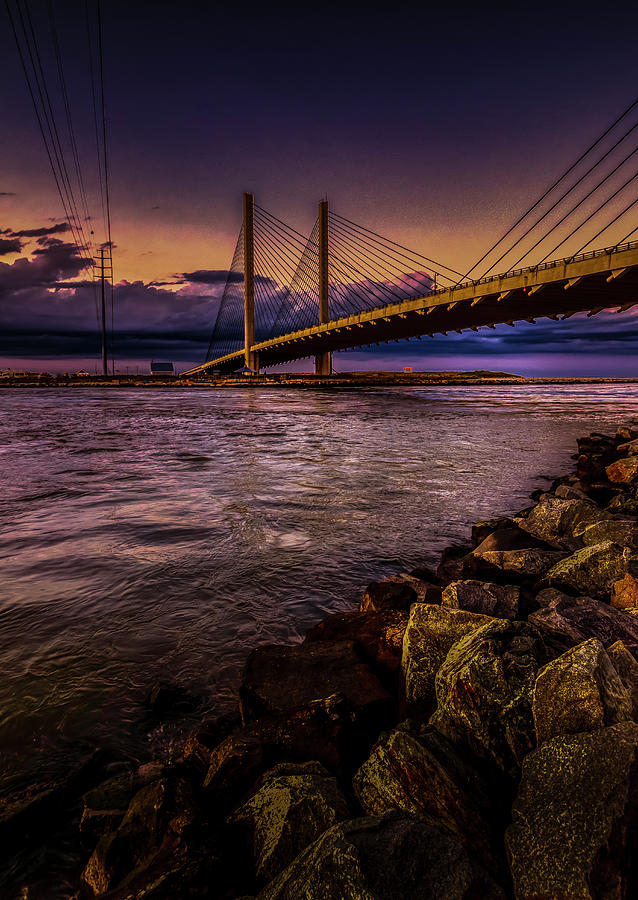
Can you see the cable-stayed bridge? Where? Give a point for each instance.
(290, 296)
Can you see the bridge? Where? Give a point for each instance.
(289, 296)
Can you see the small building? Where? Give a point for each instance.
(83, 374)
(162, 368)
(407, 369)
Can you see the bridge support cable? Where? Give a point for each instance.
(323, 361)
(569, 212)
(227, 333)
(551, 188)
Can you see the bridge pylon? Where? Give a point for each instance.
(323, 361)
(250, 357)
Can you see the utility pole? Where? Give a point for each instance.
(250, 358)
(105, 368)
(323, 361)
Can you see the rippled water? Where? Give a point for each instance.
(150, 534)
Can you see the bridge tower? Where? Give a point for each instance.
(323, 361)
(250, 357)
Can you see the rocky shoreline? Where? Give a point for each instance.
(469, 732)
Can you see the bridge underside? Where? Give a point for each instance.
(602, 280)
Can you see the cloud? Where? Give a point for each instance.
(211, 276)
(58, 228)
(10, 245)
(7, 194)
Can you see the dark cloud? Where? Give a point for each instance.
(59, 228)
(10, 245)
(211, 276)
(50, 264)
(7, 194)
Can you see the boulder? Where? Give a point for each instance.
(292, 807)
(105, 806)
(377, 636)
(380, 595)
(426, 589)
(621, 531)
(514, 565)
(630, 448)
(278, 678)
(484, 692)
(420, 774)
(202, 740)
(573, 822)
(624, 504)
(506, 537)
(384, 858)
(452, 564)
(496, 600)
(431, 632)
(625, 664)
(323, 730)
(623, 471)
(167, 699)
(579, 691)
(553, 520)
(570, 492)
(624, 592)
(485, 528)
(155, 819)
(626, 433)
(570, 620)
(548, 595)
(590, 571)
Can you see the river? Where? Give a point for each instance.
(151, 534)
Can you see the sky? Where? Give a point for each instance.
(436, 126)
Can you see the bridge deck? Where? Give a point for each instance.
(590, 282)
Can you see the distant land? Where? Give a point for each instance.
(294, 379)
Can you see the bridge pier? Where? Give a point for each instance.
(250, 358)
(323, 361)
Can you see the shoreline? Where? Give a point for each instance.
(445, 739)
(306, 380)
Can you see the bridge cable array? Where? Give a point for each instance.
(70, 179)
(571, 193)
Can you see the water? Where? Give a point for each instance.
(153, 534)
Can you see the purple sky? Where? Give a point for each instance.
(433, 128)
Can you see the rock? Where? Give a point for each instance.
(548, 595)
(421, 775)
(621, 531)
(156, 817)
(202, 741)
(431, 632)
(105, 806)
(624, 593)
(484, 529)
(484, 692)
(626, 433)
(623, 471)
(426, 590)
(514, 565)
(325, 730)
(579, 691)
(573, 822)
(496, 600)
(553, 520)
(293, 806)
(384, 858)
(452, 565)
(166, 699)
(381, 595)
(590, 571)
(571, 620)
(505, 537)
(570, 492)
(624, 504)
(278, 678)
(630, 448)
(625, 664)
(377, 636)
